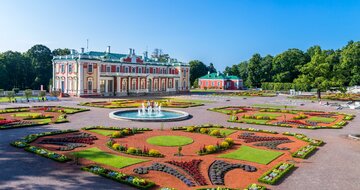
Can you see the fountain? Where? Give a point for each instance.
(150, 112)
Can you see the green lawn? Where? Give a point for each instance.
(322, 119)
(25, 114)
(97, 155)
(46, 120)
(252, 155)
(226, 131)
(255, 121)
(268, 114)
(169, 140)
(272, 106)
(103, 132)
(6, 99)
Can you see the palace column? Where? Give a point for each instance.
(98, 77)
(118, 85)
(81, 79)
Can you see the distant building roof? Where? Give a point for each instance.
(220, 76)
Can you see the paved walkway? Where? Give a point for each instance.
(334, 166)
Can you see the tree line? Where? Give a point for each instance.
(315, 68)
(28, 70)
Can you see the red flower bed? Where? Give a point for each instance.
(192, 168)
(5, 122)
(253, 138)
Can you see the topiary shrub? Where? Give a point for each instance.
(153, 152)
(224, 145)
(116, 134)
(190, 129)
(116, 146)
(210, 148)
(229, 140)
(204, 130)
(215, 132)
(131, 150)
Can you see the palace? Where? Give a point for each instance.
(111, 74)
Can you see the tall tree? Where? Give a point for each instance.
(233, 70)
(286, 65)
(211, 68)
(197, 69)
(60, 51)
(266, 69)
(243, 70)
(40, 57)
(253, 79)
(350, 63)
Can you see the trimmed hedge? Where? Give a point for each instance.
(315, 142)
(275, 173)
(304, 151)
(120, 177)
(255, 186)
(47, 154)
(252, 130)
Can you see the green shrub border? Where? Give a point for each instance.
(296, 135)
(149, 185)
(306, 153)
(278, 177)
(61, 158)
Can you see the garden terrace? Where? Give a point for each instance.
(132, 155)
(303, 119)
(35, 116)
(165, 102)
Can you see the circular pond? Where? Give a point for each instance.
(169, 140)
(163, 115)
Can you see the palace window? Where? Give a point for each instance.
(90, 68)
(133, 84)
(70, 68)
(170, 83)
(133, 70)
(212, 83)
(147, 70)
(140, 70)
(62, 68)
(124, 85)
(126, 69)
(108, 69)
(117, 69)
(90, 85)
(102, 86)
(142, 83)
(218, 83)
(163, 85)
(161, 71)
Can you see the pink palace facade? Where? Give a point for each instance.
(111, 74)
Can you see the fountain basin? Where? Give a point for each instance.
(165, 115)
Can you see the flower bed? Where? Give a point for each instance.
(253, 130)
(210, 149)
(227, 110)
(255, 186)
(304, 151)
(192, 168)
(167, 169)
(217, 188)
(120, 177)
(24, 142)
(134, 151)
(14, 110)
(219, 168)
(62, 119)
(71, 142)
(315, 142)
(258, 117)
(115, 128)
(250, 137)
(47, 154)
(276, 173)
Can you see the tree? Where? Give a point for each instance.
(196, 83)
(59, 51)
(211, 68)
(233, 70)
(243, 70)
(350, 63)
(40, 57)
(286, 65)
(266, 69)
(253, 79)
(28, 93)
(10, 95)
(197, 69)
(160, 56)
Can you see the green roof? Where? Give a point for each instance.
(219, 76)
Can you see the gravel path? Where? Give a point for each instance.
(334, 166)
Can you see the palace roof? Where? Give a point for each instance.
(219, 76)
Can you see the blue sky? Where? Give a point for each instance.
(223, 32)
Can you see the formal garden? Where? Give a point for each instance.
(330, 96)
(135, 103)
(280, 116)
(185, 157)
(34, 116)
